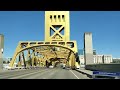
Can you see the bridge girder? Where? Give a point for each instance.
(59, 23)
(22, 46)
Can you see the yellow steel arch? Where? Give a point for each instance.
(57, 22)
(27, 45)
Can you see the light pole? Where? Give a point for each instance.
(1, 50)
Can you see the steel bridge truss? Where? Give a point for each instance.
(40, 51)
(57, 46)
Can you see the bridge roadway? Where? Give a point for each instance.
(42, 73)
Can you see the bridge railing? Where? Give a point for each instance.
(104, 67)
(105, 75)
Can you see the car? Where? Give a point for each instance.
(68, 68)
(63, 67)
(51, 66)
(77, 67)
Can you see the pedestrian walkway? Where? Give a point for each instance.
(84, 71)
(5, 70)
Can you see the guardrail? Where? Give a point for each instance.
(104, 67)
(105, 75)
(99, 74)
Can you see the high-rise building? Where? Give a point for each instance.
(88, 48)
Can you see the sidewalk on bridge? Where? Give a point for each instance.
(5, 70)
(84, 71)
(1, 71)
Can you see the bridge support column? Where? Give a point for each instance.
(32, 61)
(41, 62)
(37, 60)
(24, 59)
(44, 63)
(33, 57)
(72, 60)
(29, 58)
(67, 64)
(19, 61)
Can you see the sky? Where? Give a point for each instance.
(29, 26)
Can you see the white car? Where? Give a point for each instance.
(77, 67)
(51, 66)
(82, 66)
(64, 66)
(10, 68)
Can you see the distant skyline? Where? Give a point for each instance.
(29, 26)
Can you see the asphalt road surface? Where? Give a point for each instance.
(42, 73)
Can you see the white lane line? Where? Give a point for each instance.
(26, 74)
(13, 74)
(44, 73)
(75, 75)
(37, 75)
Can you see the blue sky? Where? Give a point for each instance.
(29, 25)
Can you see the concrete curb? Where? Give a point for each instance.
(88, 75)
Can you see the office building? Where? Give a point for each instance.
(88, 48)
(98, 59)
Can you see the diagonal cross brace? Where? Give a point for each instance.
(57, 31)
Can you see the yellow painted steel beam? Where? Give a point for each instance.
(24, 59)
(19, 61)
(72, 60)
(57, 21)
(53, 18)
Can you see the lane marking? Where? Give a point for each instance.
(8, 75)
(27, 74)
(50, 74)
(75, 75)
(22, 76)
(44, 73)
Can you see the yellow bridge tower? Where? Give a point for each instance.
(57, 46)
